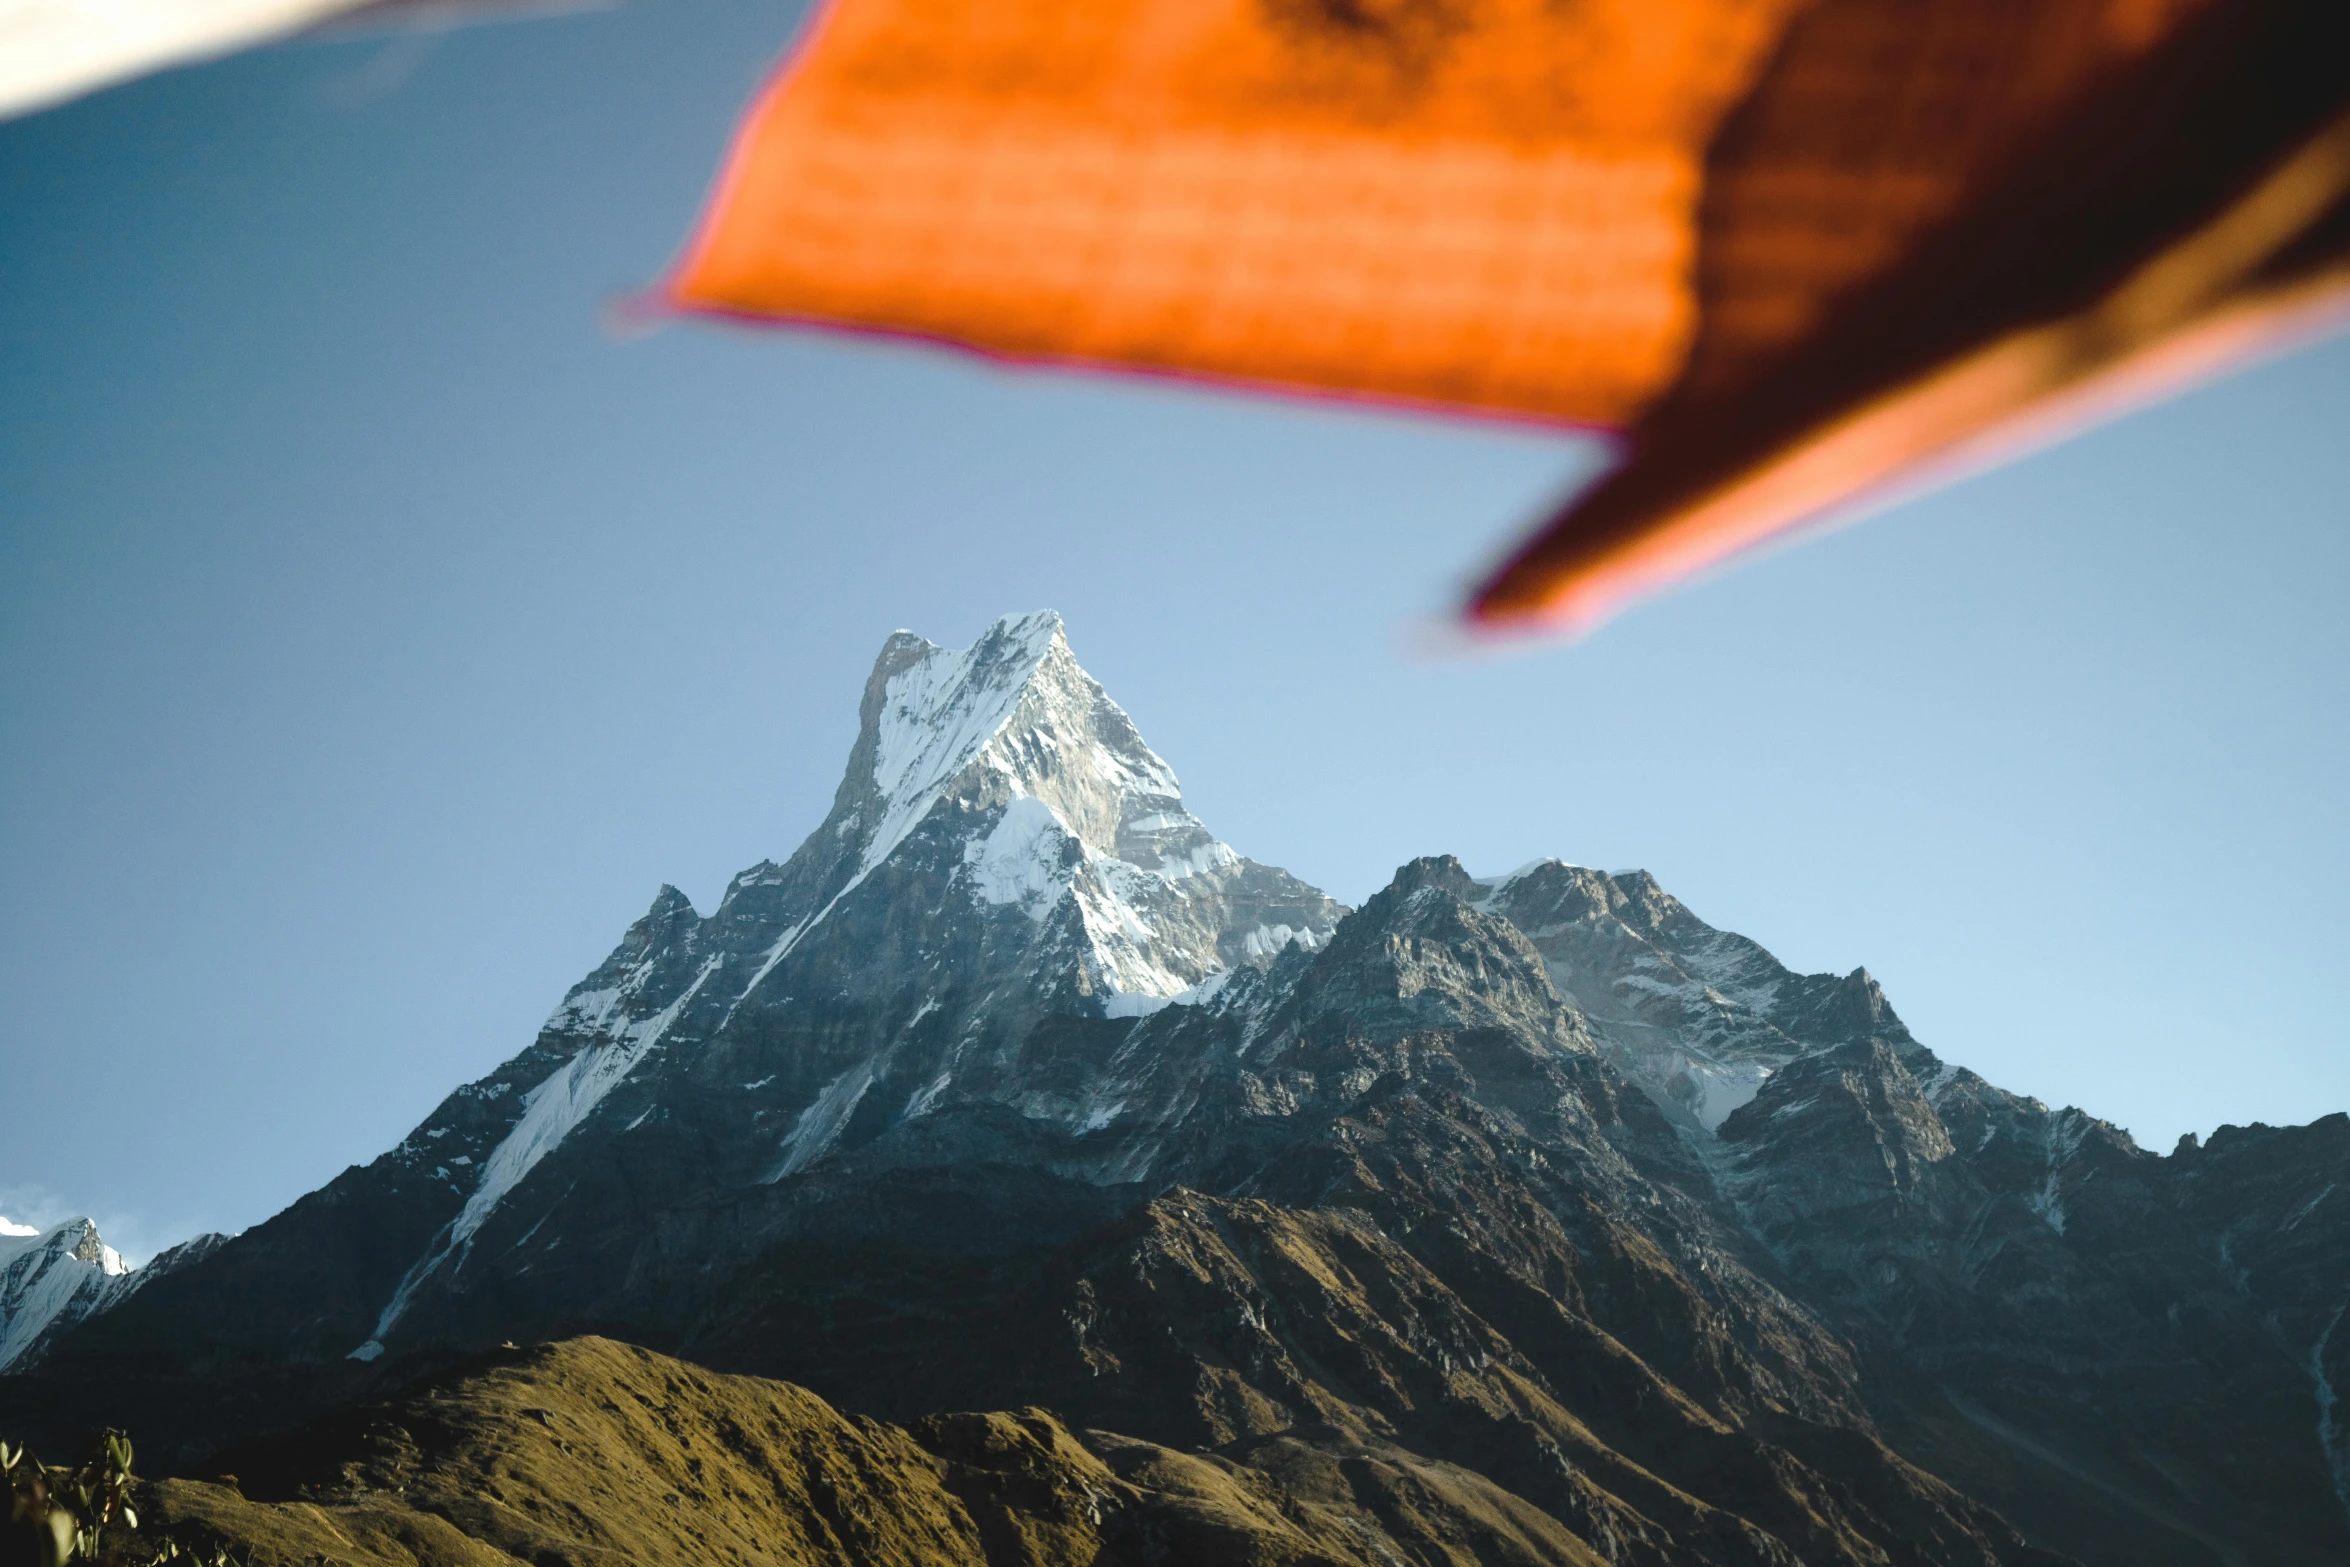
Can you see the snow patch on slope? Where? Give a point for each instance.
(553, 1110)
(1267, 940)
(2064, 1135)
(550, 1113)
(1135, 1003)
(1033, 860)
(919, 1103)
(2330, 1435)
(1495, 886)
(827, 1116)
(1722, 1087)
(1210, 856)
(1023, 860)
(584, 1009)
(1725, 964)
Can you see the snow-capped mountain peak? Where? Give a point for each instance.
(1018, 709)
(1003, 847)
(52, 1279)
(1049, 799)
(939, 710)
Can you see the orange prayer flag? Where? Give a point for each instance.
(1796, 250)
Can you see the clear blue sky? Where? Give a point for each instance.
(377, 634)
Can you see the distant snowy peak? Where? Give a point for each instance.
(52, 1279)
(1700, 1018)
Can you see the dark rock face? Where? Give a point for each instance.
(2077, 1300)
(1014, 1087)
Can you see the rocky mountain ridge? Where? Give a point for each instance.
(1015, 1086)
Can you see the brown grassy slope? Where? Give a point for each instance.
(592, 1452)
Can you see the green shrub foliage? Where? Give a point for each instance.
(64, 1513)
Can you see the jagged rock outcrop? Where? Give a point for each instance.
(1531, 1208)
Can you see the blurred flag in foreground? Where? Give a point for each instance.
(1798, 252)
